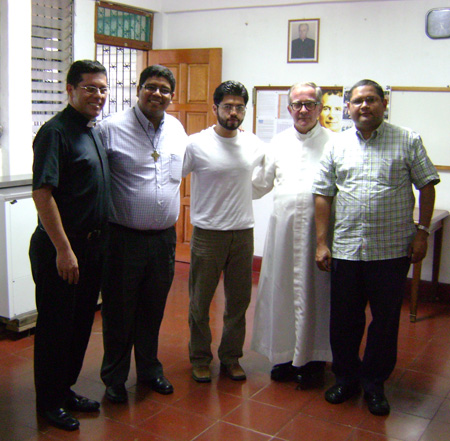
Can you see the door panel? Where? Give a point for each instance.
(197, 72)
(195, 122)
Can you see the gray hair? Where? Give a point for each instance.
(314, 86)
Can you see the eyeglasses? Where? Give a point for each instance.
(229, 107)
(368, 100)
(152, 89)
(309, 105)
(92, 90)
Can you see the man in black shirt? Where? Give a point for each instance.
(71, 194)
(303, 47)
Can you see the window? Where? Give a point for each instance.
(123, 36)
(122, 26)
(123, 66)
(51, 41)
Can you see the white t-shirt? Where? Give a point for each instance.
(221, 182)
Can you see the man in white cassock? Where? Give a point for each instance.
(291, 324)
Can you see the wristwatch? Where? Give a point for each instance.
(424, 228)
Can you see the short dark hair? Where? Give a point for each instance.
(230, 88)
(80, 67)
(367, 82)
(157, 70)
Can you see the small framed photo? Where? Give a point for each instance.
(303, 40)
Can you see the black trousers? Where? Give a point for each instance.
(138, 275)
(353, 285)
(65, 316)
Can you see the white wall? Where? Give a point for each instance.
(380, 39)
(384, 41)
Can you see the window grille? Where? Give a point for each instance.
(51, 41)
(123, 66)
(123, 36)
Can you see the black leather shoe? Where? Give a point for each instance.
(60, 418)
(377, 403)
(77, 403)
(339, 393)
(117, 393)
(161, 385)
(310, 380)
(283, 372)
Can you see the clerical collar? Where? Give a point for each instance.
(309, 134)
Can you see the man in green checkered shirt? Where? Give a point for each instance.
(370, 170)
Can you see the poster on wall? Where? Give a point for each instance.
(271, 115)
(303, 40)
(332, 113)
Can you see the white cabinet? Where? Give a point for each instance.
(18, 220)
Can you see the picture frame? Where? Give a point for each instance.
(303, 40)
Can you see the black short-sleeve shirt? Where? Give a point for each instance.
(70, 157)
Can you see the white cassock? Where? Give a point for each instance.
(293, 305)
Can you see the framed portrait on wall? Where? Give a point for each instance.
(303, 40)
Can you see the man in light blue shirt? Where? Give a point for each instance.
(370, 170)
(145, 148)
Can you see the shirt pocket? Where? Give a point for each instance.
(392, 172)
(175, 167)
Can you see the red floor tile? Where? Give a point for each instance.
(257, 409)
(177, 424)
(306, 428)
(397, 425)
(260, 417)
(425, 383)
(443, 414)
(436, 431)
(209, 402)
(224, 431)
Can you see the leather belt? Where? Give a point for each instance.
(143, 232)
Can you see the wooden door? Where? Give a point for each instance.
(197, 72)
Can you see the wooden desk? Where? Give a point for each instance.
(436, 229)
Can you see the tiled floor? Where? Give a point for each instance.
(255, 410)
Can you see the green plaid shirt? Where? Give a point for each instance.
(372, 184)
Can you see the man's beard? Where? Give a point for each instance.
(229, 125)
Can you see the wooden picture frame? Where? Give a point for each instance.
(303, 40)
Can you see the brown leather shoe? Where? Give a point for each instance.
(201, 374)
(233, 371)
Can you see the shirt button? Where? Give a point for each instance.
(159, 185)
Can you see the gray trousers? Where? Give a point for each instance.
(211, 253)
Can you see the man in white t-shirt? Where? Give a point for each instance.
(221, 159)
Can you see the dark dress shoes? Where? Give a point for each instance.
(311, 375)
(60, 418)
(161, 385)
(117, 393)
(77, 403)
(310, 380)
(377, 403)
(283, 372)
(339, 393)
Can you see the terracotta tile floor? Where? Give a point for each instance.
(254, 410)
